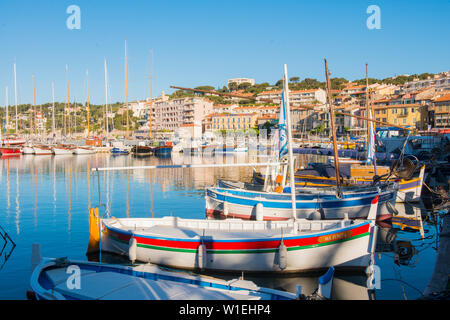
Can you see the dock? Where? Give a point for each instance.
(440, 278)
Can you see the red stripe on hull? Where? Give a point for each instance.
(246, 245)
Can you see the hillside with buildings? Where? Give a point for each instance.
(421, 102)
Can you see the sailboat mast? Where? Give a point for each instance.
(289, 138)
(15, 96)
(106, 101)
(7, 115)
(367, 106)
(87, 102)
(151, 93)
(53, 109)
(68, 99)
(333, 130)
(34, 95)
(126, 87)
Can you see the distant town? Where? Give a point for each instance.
(420, 102)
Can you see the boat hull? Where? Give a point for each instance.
(346, 247)
(28, 150)
(42, 151)
(10, 151)
(62, 151)
(83, 151)
(242, 204)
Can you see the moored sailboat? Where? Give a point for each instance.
(236, 245)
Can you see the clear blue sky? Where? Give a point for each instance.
(206, 42)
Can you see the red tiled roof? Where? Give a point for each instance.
(445, 97)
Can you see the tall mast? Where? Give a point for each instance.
(34, 95)
(367, 105)
(15, 96)
(106, 100)
(151, 93)
(7, 115)
(126, 86)
(68, 98)
(333, 130)
(53, 109)
(87, 102)
(289, 145)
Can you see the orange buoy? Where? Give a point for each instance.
(94, 233)
(279, 189)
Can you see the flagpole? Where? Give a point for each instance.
(290, 152)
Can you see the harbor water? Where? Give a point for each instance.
(45, 199)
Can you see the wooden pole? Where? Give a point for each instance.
(126, 87)
(151, 93)
(15, 96)
(367, 105)
(34, 95)
(289, 140)
(68, 99)
(87, 103)
(333, 130)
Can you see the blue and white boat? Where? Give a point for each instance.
(64, 279)
(311, 203)
(119, 151)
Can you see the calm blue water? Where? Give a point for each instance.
(45, 199)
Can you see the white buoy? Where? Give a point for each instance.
(202, 256)
(259, 212)
(282, 256)
(225, 209)
(132, 249)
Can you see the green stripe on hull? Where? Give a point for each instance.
(246, 251)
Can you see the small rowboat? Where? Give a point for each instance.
(236, 245)
(53, 279)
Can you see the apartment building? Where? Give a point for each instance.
(238, 81)
(296, 97)
(171, 114)
(243, 121)
(440, 81)
(441, 108)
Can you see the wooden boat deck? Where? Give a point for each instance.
(225, 229)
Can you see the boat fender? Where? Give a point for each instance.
(259, 212)
(94, 231)
(225, 208)
(279, 189)
(202, 256)
(282, 256)
(132, 249)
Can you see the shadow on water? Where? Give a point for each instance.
(8, 246)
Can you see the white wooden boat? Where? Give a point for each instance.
(236, 245)
(42, 150)
(83, 150)
(63, 149)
